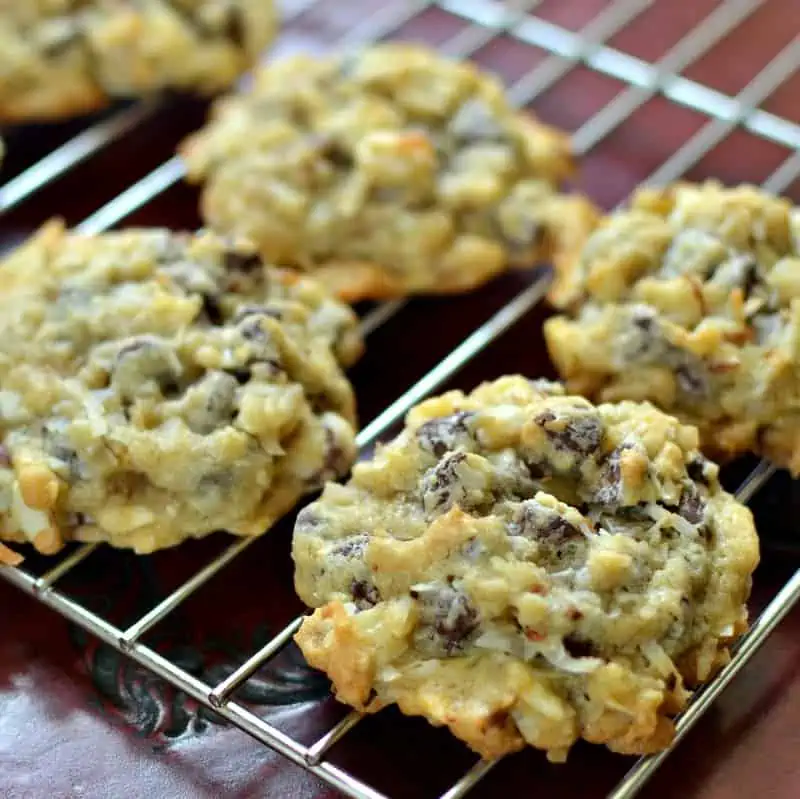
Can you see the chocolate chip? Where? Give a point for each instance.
(170, 388)
(441, 488)
(445, 434)
(451, 616)
(644, 318)
(609, 489)
(241, 376)
(212, 309)
(332, 150)
(578, 647)
(262, 348)
(365, 594)
(582, 433)
(697, 468)
(242, 261)
(69, 456)
(235, 27)
(560, 544)
(143, 360)
(352, 547)
(634, 513)
(643, 341)
(540, 523)
(558, 530)
(251, 329)
(211, 403)
(536, 470)
(244, 374)
(336, 459)
(60, 449)
(691, 505)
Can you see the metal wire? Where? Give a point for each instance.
(73, 152)
(657, 78)
(567, 49)
(710, 31)
(612, 19)
(773, 75)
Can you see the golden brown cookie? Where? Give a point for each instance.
(387, 172)
(60, 58)
(690, 298)
(157, 386)
(527, 568)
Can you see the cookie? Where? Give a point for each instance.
(387, 172)
(60, 58)
(527, 568)
(690, 298)
(157, 386)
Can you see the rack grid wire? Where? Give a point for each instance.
(485, 21)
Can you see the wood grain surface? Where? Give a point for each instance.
(77, 720)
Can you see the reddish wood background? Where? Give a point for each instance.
(65, 733)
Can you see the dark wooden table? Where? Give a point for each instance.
(79, 720)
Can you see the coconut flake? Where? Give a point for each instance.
(389, 674)
(658, 658)
(663, 516)
(554, 652)
(499, 641)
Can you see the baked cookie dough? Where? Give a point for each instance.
(157, 386)
(526, 568)
(690, 298)
(60, 58)
(388, 171)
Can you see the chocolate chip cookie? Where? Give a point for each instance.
(389, 171)
(64, 57)
(690, 298)
(527, 568)
(157, 386)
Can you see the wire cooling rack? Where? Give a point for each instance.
(481, 23)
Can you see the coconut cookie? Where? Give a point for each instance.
(390, 171)
(157, 386)
(690, 298)
(527, 568)
(64, 57)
